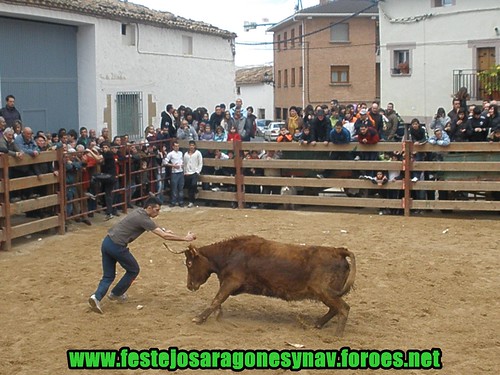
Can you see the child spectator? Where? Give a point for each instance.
(207, 134)
(220, 134)
(284, 136)
(297, 135)
(233, 134)
(307, 136)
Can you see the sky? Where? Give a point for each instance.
(230, 15)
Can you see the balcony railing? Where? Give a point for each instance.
(468, 78)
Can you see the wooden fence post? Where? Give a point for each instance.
(407, 167)
(238, 165)
(61, 177)
(7, 225)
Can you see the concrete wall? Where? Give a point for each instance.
(258, 96)
(444, 39)
(155, 65)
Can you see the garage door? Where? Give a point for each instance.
(38, 66)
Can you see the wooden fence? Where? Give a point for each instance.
(50, 203)
(466, 167)
(463, 167)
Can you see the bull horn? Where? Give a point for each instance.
(172, 251)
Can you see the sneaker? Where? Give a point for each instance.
(414, 179)
(320, 176)
(94, 304)
(15, 200)
(357, 158)
(108, 217)
(90, 195)
(190, 205)
(216, 189)
(121, 298)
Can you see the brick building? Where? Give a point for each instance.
(325, 52)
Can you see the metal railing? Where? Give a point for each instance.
(469, 78)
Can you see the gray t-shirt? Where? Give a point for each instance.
(131, 227)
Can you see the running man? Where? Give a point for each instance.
(114, 249)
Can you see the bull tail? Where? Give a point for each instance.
(352, 274)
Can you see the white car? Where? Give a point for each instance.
(261, 127)
(272, 131)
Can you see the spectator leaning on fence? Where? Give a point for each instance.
(321, 127)
(340, 136)
(368, 135)
(284, 136)
(480, 126)
(440, 138)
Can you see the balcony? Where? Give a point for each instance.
(468, 78)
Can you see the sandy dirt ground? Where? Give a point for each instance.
(422, 282)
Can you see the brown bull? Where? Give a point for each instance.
(254, 265)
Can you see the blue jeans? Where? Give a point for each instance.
(177, 188)
(112, 253)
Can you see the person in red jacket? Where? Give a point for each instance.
(368, 135)
(233, 134)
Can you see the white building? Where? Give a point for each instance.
(430, 48)
(95, 63)
(254, 85)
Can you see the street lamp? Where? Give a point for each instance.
(268, 79)
(253, 25)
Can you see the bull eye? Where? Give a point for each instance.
(189, 264)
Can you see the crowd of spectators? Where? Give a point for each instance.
(118, 172)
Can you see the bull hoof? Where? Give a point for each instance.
(198, 320)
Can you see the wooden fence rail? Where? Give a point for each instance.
(52, 201)
(300, 166)
(464, 167)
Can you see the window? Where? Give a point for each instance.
(401, 62)
(277, 113)
(279, 42)
(301, 76)
(285, 113)
(443, 3)
(129, 114)
(187, 45)
(285, 40)
(128, 34)
(279, 78)
(339, 73)
(285, 78)
(292, 37)
(300, 34)
(292, 78)
(339, 33)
